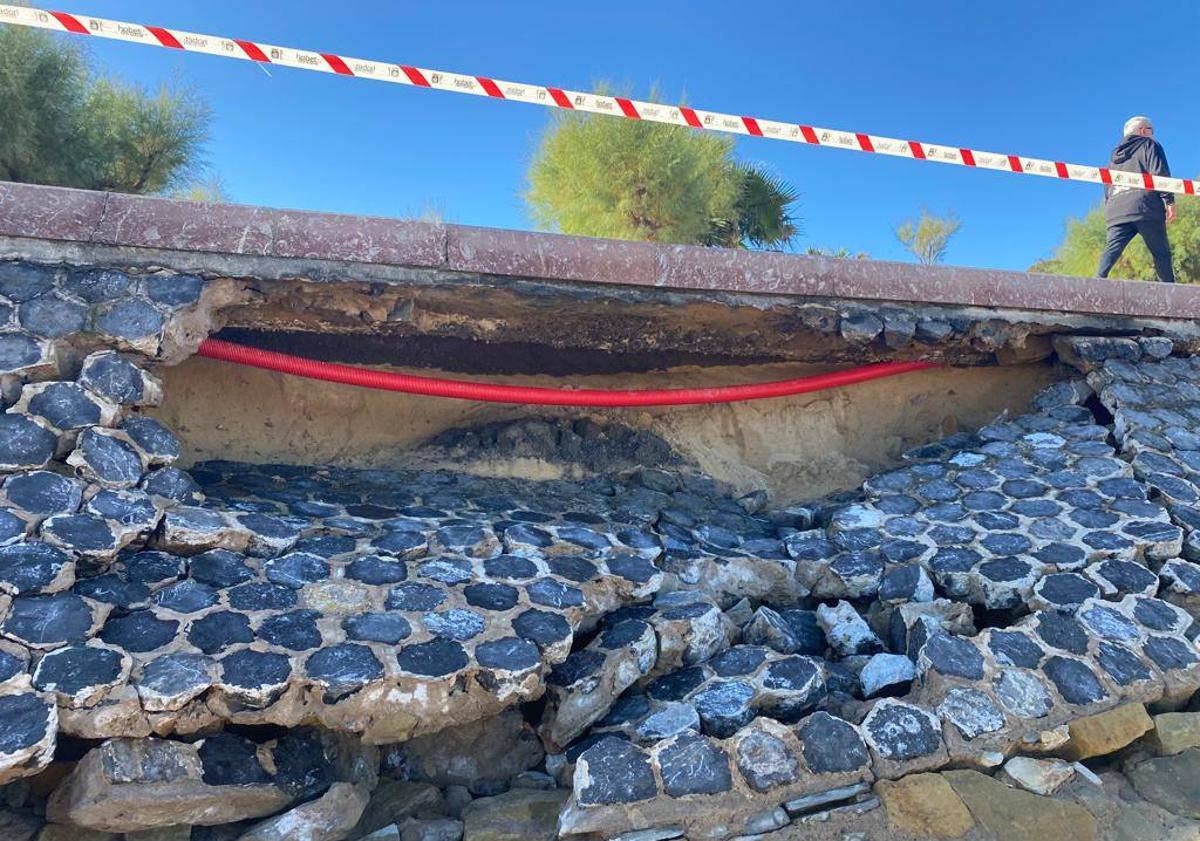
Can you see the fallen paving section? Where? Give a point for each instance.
(993, 637)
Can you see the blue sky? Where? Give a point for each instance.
(1050, 79)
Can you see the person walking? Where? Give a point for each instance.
(1129, 211)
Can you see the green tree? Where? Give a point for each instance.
(630, 179)
(64, 125)
(1081, 247)
(928, 236)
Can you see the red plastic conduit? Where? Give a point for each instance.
(467, 390)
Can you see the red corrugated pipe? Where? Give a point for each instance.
(487, 392)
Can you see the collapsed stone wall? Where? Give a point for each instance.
(283, 649)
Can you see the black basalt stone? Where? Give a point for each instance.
(446, 569)
(622, 634)
(739, 660)
(129, 319)
(676, 685)
(831, 745)
(1127, 576)
(414, 596)
(296, 569)
(578, 666)
(1074, 680)
(553, 593)
(1066, 591)
(491, 596)
(17, 351)
(1063, 632)
(45, 620)
(227, 759)
(573, 568)
(301, 766)
(1062, 554)
(172, 483)
(694, 765)
(260, 595)
(807, 631)
(75, 668)
(1155, 614)
(1108, 623)
(436, 658)
(185, 597)
(23, 281)
(29, 567)
(248, 669)
(1169, 653)
(344, 668)
(217, 631)
(174, 290)
(156, 440)
(326, 545)
(724, 707)
(617, 773)
(111, 588)
(901, 732)
(179, 674)
(954, 656)
(24, 444)
(12, 527)
(24, 720)
(138, 631)
(1121, 664)
(66, 406)
(375, 569)
(83, 533)
(509, 653)
(220, 568)
(1016, 649)
(112, 460)
(455, 624)
(95, 285)
(542, 627)
(790, 674)
(132, 509)
(388, 628)
(511, 567)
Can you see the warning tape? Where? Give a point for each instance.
(633, 109)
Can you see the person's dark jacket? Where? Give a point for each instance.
(1126, 204)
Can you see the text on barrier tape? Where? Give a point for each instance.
(617, 106)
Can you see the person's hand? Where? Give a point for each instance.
(1170, 213)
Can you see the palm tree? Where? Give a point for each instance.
(762, 218)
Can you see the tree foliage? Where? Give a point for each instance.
(1079, 252)
(61, 124)
(928, 236)
(631, 179)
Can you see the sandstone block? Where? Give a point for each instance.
(1103, 733)
(924, 805)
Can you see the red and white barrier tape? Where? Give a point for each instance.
(157, 36)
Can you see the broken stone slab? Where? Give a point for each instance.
(395, 801)
(711, 788)
(126, 785)
(691, 629)
(924, 806)
(28, 734)
(1013, 815)
(331, 817)
(188, 530)
(517, 815)
(1106, 732)
(886, 674)
(582, 688)
(117, 379)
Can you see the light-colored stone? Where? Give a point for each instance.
(331, 817)
(886, 672)
(439, 829)
(126, 785)
(517, 815)
(1103, 733)
(1175, 732)
(1010, 814)
(1041, 776)
(924, 805)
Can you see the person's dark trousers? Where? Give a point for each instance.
(1154, 234)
